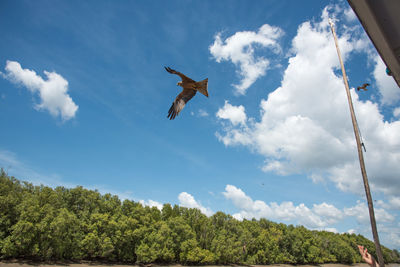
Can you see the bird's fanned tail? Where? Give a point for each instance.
(202, 87)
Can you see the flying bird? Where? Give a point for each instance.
(190, 88)
(364, 87)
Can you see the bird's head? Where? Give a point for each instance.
(179, 83)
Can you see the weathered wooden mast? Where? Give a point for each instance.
(360, 156)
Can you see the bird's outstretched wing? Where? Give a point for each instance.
(180, 102)
(183, 77)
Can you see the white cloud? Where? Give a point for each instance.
(331, 229)
(240, 50)
(319, 217)
(387, 86)
(381, 203)
(203, 113)
(330, 212)
(394, 203)
(151, 203)
(391, 235)
(200, 113)
(188, 201)
(237, 117)
(351, 231)
(235, 114)
(396, 112)
(361, 213)
(52, 92)
(305, 123)
(349, 15)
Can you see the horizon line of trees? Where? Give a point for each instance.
(42, 223)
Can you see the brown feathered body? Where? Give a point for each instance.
(190, 88)
(363, 87)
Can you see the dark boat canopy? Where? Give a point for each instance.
(381, 21)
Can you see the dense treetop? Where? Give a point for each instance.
(42, 223)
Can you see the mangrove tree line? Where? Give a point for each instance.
(42, 223)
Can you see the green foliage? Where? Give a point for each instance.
(38, 222)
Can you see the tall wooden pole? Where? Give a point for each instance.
(360, 156)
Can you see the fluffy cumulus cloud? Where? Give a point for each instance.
(188, 201)
(52, 92)
(396, 112)
(240, 49)
(305, 123)
(395, 203)
(385, 215)
(151, 203)
(360, 212)
(390, 93)
(320, 216)
(235, 114)
(349, 15)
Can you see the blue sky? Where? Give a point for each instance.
(84, 98)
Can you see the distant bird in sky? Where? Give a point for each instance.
(363, 87)
(190, 88)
